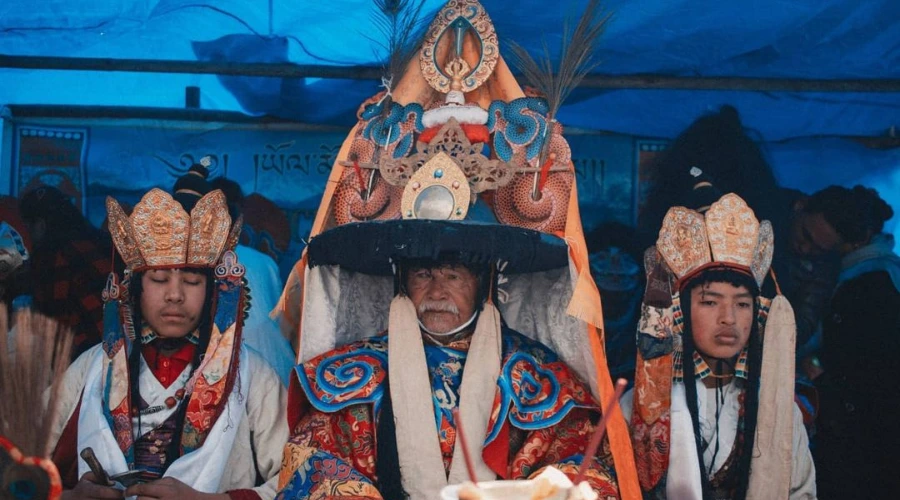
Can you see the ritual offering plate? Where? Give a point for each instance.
(551, 484)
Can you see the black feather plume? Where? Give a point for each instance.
(576, 59)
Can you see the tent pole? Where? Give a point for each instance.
(287, 70)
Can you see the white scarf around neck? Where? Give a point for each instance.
(201, 469)
(418, 444)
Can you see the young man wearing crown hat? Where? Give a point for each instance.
(713, 410)
(172, 397)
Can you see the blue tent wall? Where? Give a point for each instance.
(806, 136)
(810, 39)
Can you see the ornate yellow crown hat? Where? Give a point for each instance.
(729, 235)
(161, 234)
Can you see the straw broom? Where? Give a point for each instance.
(33, 361)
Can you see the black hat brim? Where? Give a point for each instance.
(372, 247)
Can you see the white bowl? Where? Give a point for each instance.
(500, 490)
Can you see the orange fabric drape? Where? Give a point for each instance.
(585, 305)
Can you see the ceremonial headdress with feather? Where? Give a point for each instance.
(458, 161)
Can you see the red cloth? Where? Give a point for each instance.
(243, 495)
(167, 368)
(68, 284)
(475, 133)
(65, 455)
(341, 445)
(349, 436)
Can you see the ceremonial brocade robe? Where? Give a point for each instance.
(246, 468)
(721, 422)
(542, 415)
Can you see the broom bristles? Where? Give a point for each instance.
(33, 361)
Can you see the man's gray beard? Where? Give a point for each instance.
(437, 338)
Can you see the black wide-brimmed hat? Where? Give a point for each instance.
(373, 247)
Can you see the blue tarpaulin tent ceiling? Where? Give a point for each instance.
(837, 39)
(805, 75)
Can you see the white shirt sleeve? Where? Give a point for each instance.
(803, 471)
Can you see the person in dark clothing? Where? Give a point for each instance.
(70, 263)
(616, 265)
(859, 392)
(813, 267)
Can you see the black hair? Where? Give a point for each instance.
(615, 234)
(192, 186)
(135, 290)
(387, 457)
(726, 155)
(741, 471)
(856, 214)
(63, 219)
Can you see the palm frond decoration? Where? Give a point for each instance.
(34, 355)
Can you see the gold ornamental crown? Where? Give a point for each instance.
(729, 234)
(161, 234)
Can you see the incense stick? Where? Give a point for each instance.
(461, 435)
(594, 444)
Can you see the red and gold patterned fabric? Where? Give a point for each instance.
(543, 415)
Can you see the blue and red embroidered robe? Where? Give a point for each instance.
(542, 415)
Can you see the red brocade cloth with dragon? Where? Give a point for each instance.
(542, 415)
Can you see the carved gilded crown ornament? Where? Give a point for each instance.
(728, 235)
(160, 234)
(460, 17)
(460, 100)
(437, 191)
(481, 172)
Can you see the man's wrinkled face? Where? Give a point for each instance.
(721, 319)
(812, 236)
(172, 301)
(444, 296)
